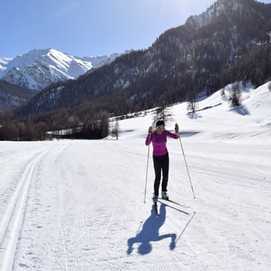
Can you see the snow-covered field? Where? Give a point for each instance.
(78, 205)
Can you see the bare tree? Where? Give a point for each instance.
(115, 130)
(192, 108)
(104, 124)
(162, 113)
(235, 96)
(224, 94)
(192, 104)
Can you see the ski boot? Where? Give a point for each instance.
(165, 195)
(155, 199)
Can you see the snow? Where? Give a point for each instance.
(39, 68)
(80, 205)
(3, 65)
(98, 61)
(52, 64)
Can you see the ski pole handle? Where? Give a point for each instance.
(176, 128)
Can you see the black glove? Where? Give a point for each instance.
(176, 128)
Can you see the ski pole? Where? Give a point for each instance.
(187, 169)
(147, 171)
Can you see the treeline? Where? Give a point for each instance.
(24, 131)
(60, 124)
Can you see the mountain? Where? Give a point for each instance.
(99, 61)
(12, 96)
(38, 69)
(78, 205)
(3, 65)
(227, 43)
(224, 8)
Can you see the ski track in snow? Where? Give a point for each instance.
(12, 218)
(72, 219)
(78, 205)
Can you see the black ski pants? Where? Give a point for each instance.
(161, 164)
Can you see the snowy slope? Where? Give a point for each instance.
(39, 68)
(80, 203)
(3, 65)
(216, 120)
(98, 61)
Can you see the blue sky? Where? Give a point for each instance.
(89, 27)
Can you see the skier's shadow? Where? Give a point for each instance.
(150, 233)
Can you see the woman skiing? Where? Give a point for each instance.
(158, 137)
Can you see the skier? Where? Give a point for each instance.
(158, 137)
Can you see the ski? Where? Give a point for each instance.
(174, 202)
(166, 203)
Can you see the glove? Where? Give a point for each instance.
(176, 128)
(150, 130)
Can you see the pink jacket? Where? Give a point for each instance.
(159, 142)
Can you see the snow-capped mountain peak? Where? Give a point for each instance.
(4, 61)
(38, 69)
(3, 64)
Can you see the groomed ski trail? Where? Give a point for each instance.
(86, 202)
(12, 220)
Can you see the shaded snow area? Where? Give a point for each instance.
(78, 205)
